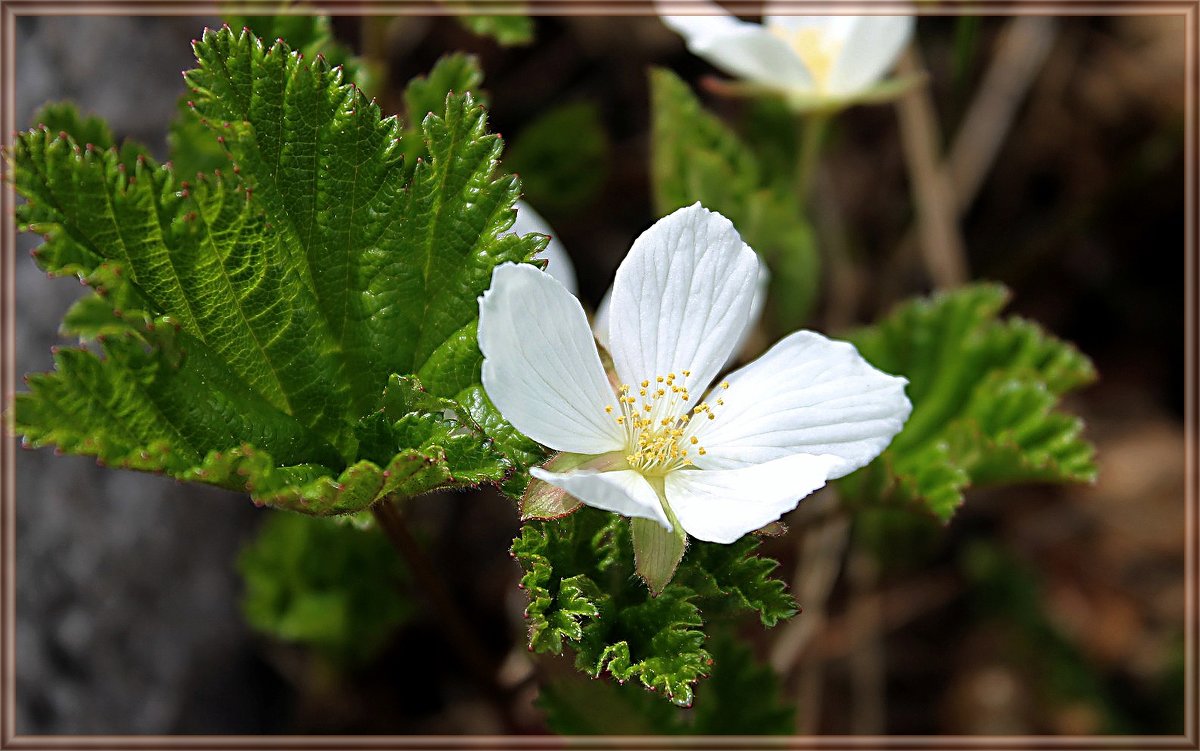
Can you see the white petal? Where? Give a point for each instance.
(836, 27)
(600, 319)
(721, 505)
(681, 298)
(559, 263)
(540, 367)
(756, 307)
(623, 491)
(869, 51)
(808, 395)
(745, 50)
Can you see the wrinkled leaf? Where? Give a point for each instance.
(984, 394)
(251, 319)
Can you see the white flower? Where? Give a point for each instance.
(810, 58)
(719, 464)
(560, 267)
(558, 263)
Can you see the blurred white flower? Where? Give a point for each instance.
(558, 263)
(719, 462)
(814, 60)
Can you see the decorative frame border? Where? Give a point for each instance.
(9, 739)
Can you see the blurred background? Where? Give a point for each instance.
(1036, 610)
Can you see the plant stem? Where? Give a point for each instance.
(470, 650)
(808, 153)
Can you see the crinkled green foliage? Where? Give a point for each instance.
(584, 592)
(507, 30)
(323, 584)
(562, 157)
(456, 73)
(249, 321)
(194, 146)
(984, 393)
(696, 157)
(742, 697)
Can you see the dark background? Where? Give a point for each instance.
(127, 596)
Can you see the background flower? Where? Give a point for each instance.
(830, 57)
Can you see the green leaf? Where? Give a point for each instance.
(252, 319)
(194, 148)
(584, 593)
(696, 157)
(309, 34)
(732, 579)
(563, 157)
(581, 706)
(456, 73)
(62, 117)
(507, 30)
(984, 393)
(742, 697)
(326, 585)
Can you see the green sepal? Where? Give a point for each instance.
(541, 500)
(656, 551)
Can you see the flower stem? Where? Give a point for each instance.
(808, 153)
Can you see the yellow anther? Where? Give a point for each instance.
(647, 407)
(659, 379)
(695, 440)
(621, 420)
(711, 416)
(720, 402)
(684, 397)
(641, 392)
(608, 409)
(686, 373)
(724, 384)
(701, 451)
(645, 384)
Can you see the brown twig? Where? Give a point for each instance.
(1024, 46)
(868, 707)
(941, 242)
(822, 546)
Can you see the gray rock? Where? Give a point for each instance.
(127, 596)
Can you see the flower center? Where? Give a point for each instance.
(816, 50)
(657, 417)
